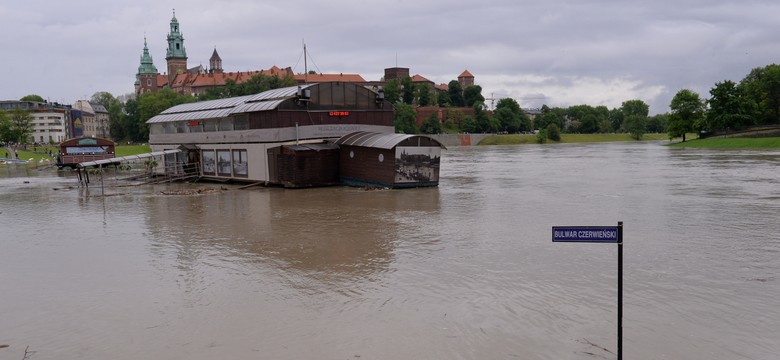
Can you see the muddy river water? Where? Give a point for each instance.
(466, 270)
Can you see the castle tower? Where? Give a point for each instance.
(176, 56)
(146, 78)
(465, 79)
(215, 63)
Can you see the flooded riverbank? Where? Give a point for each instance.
(462, 271)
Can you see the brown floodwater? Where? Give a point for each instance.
(466, 270)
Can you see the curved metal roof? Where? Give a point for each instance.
(196, 115)
(208, 105)
(276, 94)
(214, 109)
(257, 106)
(385, 141)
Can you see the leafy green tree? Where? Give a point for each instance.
(114, 108)
(455, 92)
(687, 109)
(729, 108)
(404, 119)
(509, 122)
(32, 97)
(256, 84)
(605, 126)
(483, 122)
(589, 124)
(442, 98)
(762, 86)
(635, 107)
(510, 116)
(635, 117)
(551, 116)
(585, 119)
(452, 118)
(393, 91)
(615, 119)
(151, 104)
(21, 125)
(131, 123)
(472, 95)
(636, 125)
(469, 125)
(431, 125)
(6, 132)
(553, 132)
(407, 90)
(656, 124)
(510, 104)
(423, 94)
(541, 137)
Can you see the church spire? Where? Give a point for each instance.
(175, 40)
(215, 63)
(176, 56)
(146, 77)
(147, 64)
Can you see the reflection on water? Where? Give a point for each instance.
(466, 270)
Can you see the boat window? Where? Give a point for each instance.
(240, 163)
(226, 124)
(240, 123)
(223, 163)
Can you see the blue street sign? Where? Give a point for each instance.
(594, 234)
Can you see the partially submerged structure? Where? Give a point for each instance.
(83, 149)
(389, 160)
(288, 136)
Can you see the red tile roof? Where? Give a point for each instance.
(221, 78)
(419, 78)
(465, 73)
(162, 80)
(350, 78)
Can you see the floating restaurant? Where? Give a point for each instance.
(296, 137)
(83, 149)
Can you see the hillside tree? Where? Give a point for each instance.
(472, 95)
(687, 109)
(455, 92)
(404, 119)
(762, 85)
(729, 108)
(32, 97)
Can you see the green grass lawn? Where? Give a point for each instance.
(517, 139)
(767, 143)
(125, 150)
(37, 154)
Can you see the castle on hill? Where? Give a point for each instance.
(197, 80)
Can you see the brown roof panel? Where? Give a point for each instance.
(349, 78)
(420, 78)
(465, 73)
(376, 140)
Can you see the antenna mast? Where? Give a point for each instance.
(305, 65)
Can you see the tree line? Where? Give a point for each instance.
(755, 100)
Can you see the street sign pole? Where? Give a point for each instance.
(620, 292)
(600, 234)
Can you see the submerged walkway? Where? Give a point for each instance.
(115, 160)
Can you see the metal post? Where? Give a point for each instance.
(620, 293)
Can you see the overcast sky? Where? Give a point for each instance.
(554, 52)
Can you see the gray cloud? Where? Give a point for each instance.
(558, 52)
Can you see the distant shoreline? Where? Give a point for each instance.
(735, 143)
(519, 139)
